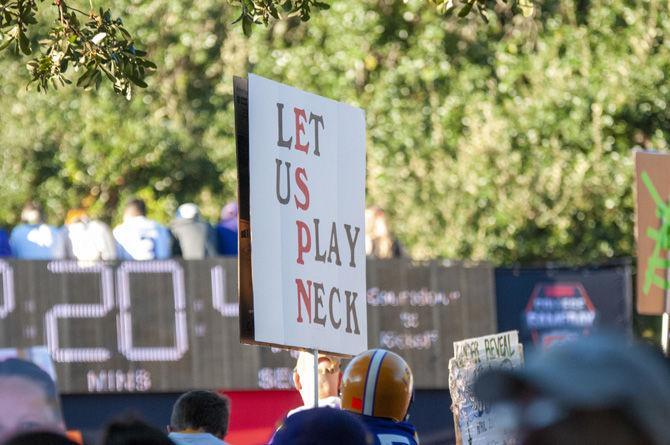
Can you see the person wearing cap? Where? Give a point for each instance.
(34, 239)
(323, 426)
(194, 238)
(87, 239)
(593, 390)
(329, 381)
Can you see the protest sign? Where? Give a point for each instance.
(28, 395)
(476, 423)
(302, 179)
(653, 231)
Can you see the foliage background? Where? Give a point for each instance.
(509, 141)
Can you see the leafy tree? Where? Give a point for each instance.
(509, 141)
(101, 47)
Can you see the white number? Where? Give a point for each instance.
(79, 311)
(125, 322)
(7, 289)
(218, 274)
(392, 439)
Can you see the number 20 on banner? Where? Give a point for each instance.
(106, 304)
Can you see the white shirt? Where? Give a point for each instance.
(89, 241)
(140, 238)
(330, 402)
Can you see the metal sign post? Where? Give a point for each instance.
(316, 377)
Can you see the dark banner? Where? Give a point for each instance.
(548, 305)
(173, 325)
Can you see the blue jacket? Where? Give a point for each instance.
(390, 432)
(5, 250)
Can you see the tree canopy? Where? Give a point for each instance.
(101, 47)
(507, 141)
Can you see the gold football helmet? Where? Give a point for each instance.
(378, 383)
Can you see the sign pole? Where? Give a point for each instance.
(316, 377)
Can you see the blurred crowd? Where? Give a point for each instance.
(592, 390)
(138, 237)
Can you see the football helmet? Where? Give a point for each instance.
(378, 383)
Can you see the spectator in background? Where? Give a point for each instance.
(86, 239)
(329, 381)
(134, 432)
(195, 238)
(226, 230)
(200, 418)
(379, 242)
(35, 240)
(593, 390)
(5, 250)
(140, 238)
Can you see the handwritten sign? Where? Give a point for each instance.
(475, 423)
(306, 179)
(653, 231)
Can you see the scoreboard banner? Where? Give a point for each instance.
(171, 326)
(548, 305)
(303, 181)
(653, 231)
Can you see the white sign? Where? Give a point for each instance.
(307, 203)
(475, 423)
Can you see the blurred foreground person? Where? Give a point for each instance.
(200, 418)
(379, 387)
(594, 390)
(140, 238)
(226, 230)
(39, 438)
(35, 240)
(86, 239)
(28, 399)
(195, 238)
(134, 432)
(323, 426)
(329, 381)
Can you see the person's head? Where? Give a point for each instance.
(229, 211)
(134, 432)
(329, 376)
(135, 207)
(31, 213)
(323, 426)
(378, 383)
(75, 215)
(39, 438)
(202, 412)
(28, 399)
(188, 211)
(601, 389)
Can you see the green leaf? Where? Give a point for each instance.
(465, 10)
(24, 43)
(6, 43)
(246, 26)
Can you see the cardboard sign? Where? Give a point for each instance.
(304, 231)
(653, 231)
(476, 423)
